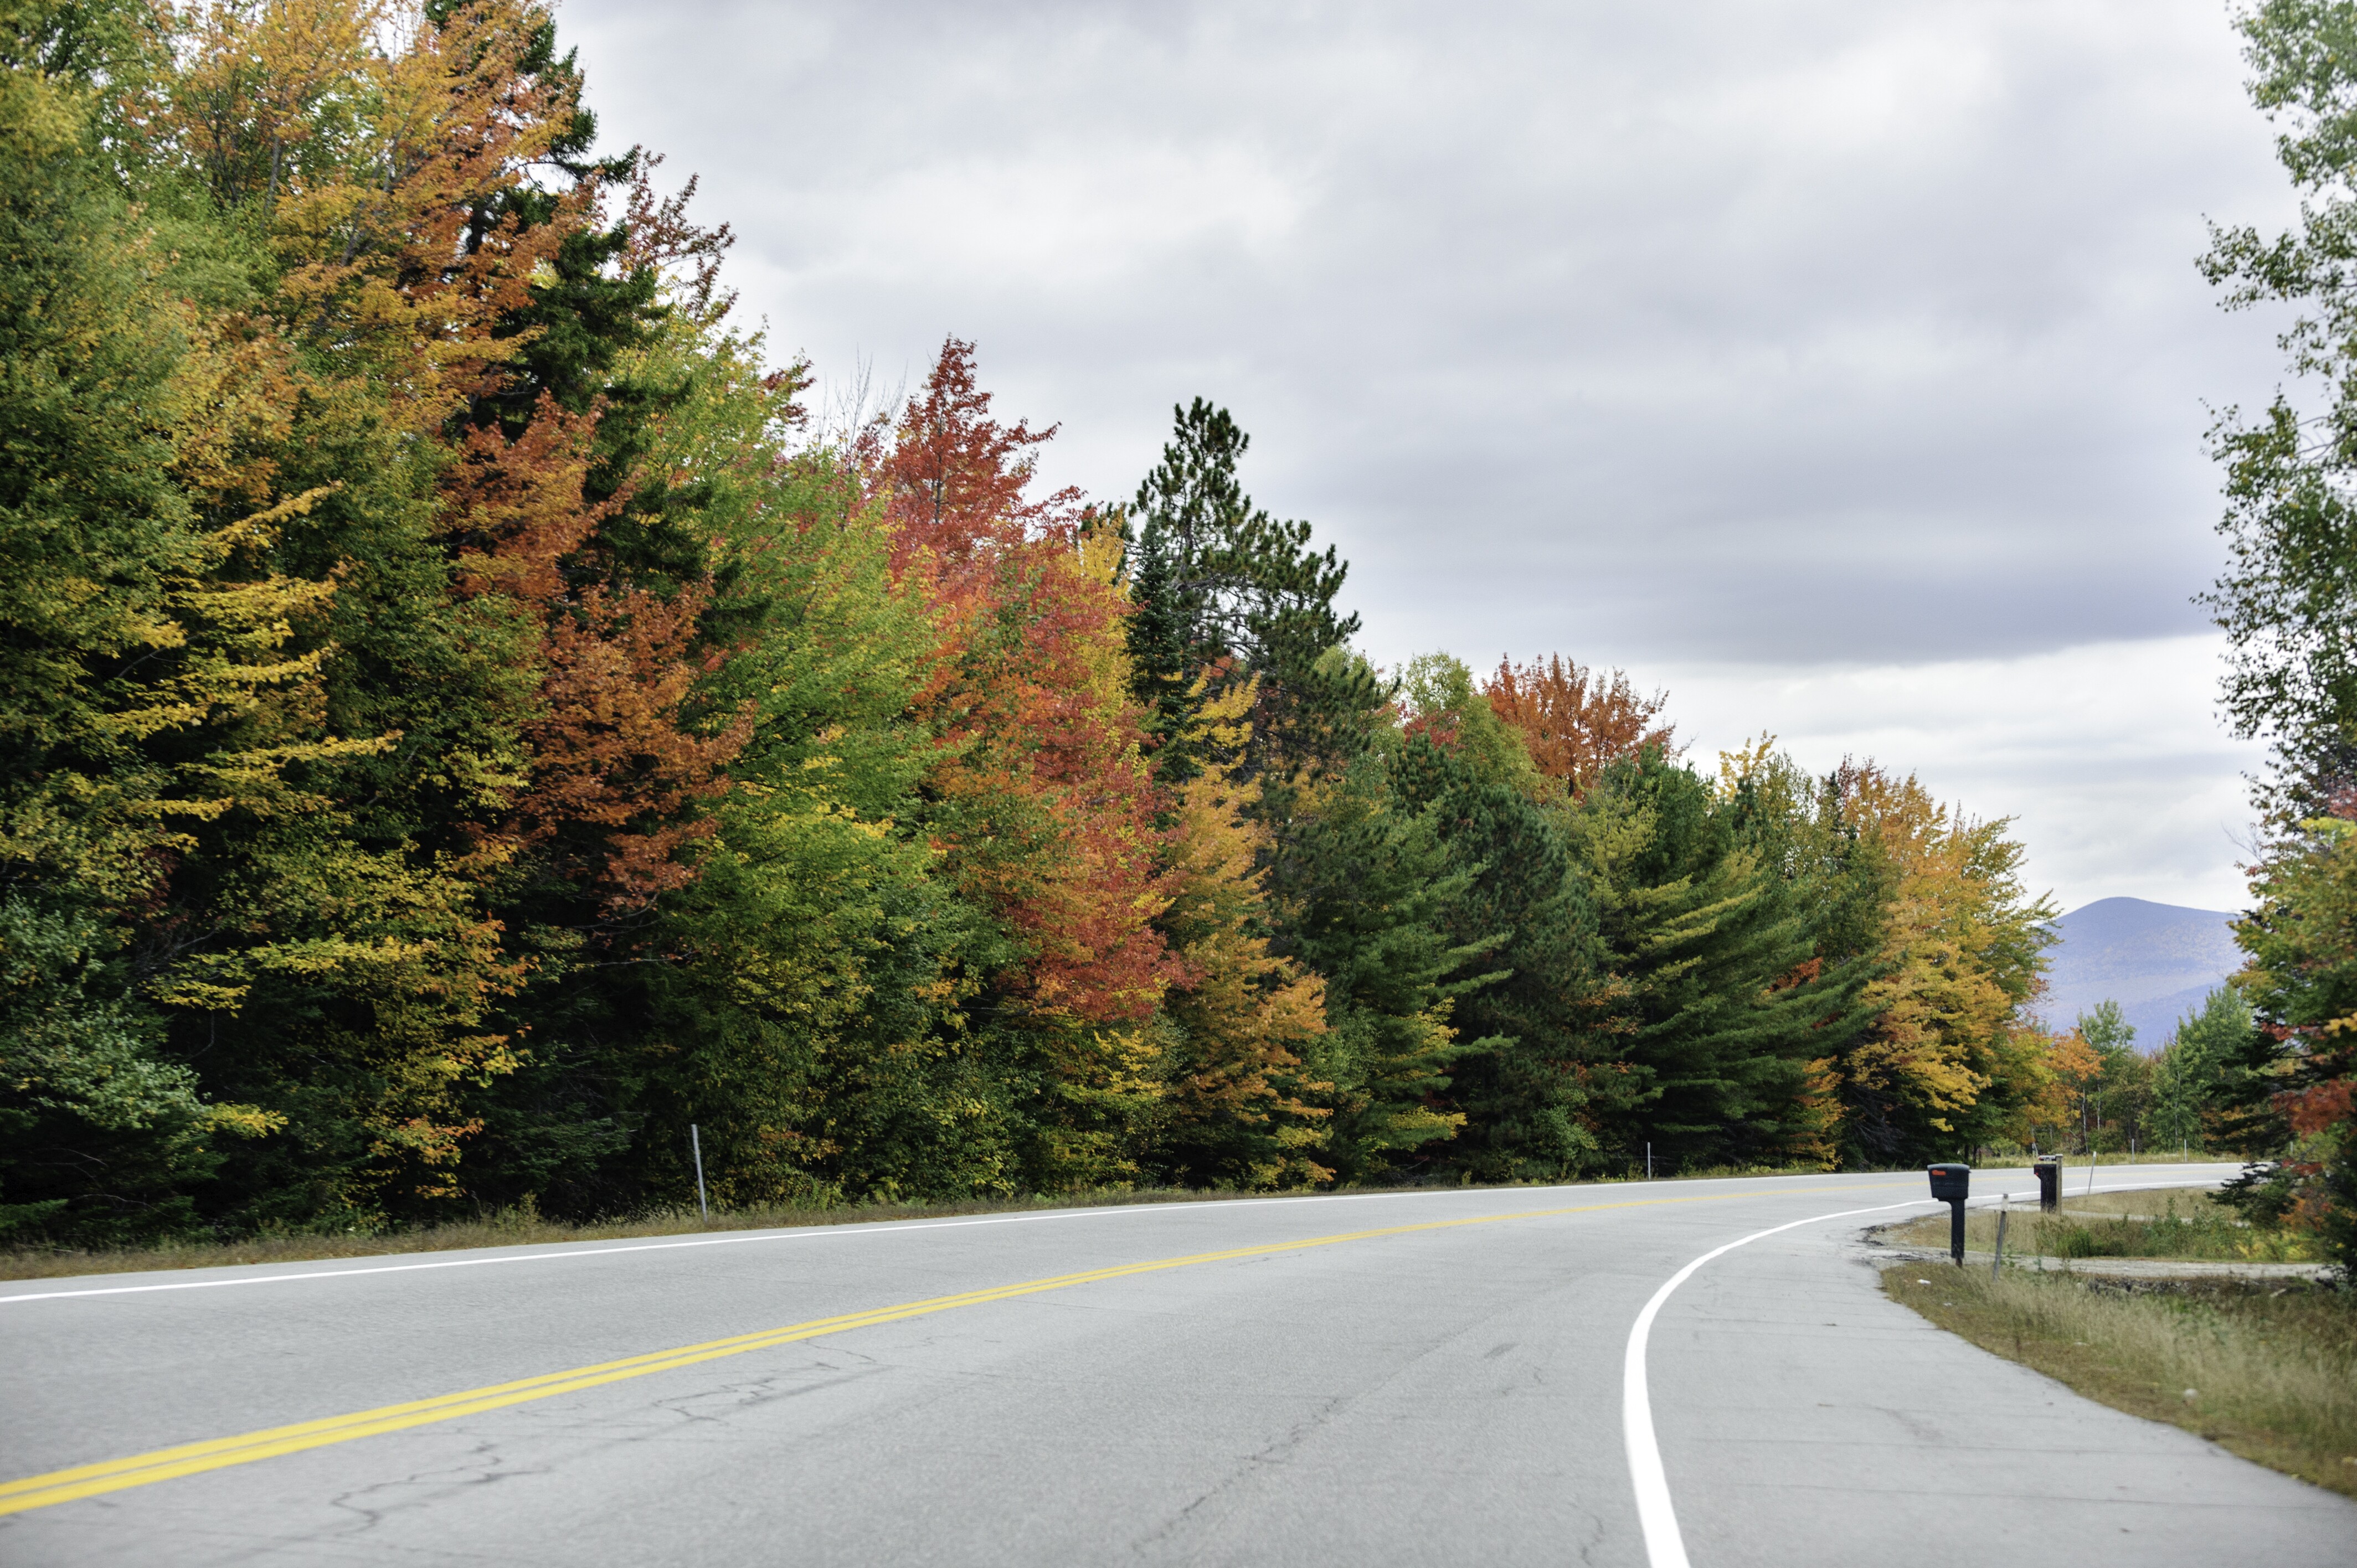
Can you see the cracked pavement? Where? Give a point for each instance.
(1438, 1397)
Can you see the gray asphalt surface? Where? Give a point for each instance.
(1445, 1396)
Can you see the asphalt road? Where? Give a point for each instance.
(1196, 1383)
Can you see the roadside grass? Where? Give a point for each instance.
(1988, 1157)
(2147, 1203)
(2145, 1157)
(524, 1227)
(2266, 1370)
(2185, 1225)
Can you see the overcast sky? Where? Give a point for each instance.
(1840, 367)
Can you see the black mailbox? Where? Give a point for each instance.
(1950, 1185)
(2050, 1181)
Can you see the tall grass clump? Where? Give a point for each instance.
(2266, 1370)
(2190, 1226)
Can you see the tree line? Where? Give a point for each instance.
(2190, 1095)
(466, 722)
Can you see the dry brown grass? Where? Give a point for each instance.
(2267, 1369)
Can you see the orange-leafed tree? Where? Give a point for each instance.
(1576, 721)
(617, 780)
(1044, 804)
(536, 779)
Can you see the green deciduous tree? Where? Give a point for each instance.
(2194, 1071)
(2289, 604)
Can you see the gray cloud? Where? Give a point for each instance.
(1778, 335)
(1799, 331)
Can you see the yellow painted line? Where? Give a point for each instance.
(215, 1454)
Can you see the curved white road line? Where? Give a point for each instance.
(1664, 1546)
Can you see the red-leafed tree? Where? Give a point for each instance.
(1045, 806)
(616, 779)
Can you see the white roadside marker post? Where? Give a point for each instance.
(2000, 1235)
(696, 1141)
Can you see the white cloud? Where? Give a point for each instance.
(2108, 757)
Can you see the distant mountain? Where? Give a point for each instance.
(2157, 960)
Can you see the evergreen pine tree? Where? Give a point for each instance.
(1223, 590)
(1724, 1008)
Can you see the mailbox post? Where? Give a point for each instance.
(2050, 1181)
(1950, 1185)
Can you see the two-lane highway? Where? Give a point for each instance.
(1416, 1378)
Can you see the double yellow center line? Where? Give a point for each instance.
(194, 1458)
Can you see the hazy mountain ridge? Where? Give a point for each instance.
(2157, 960)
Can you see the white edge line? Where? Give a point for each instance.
(793, 1233)
(1656, 1516)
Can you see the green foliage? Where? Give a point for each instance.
(99, 1135)
(106, 668)
(2193, 1077)
(2287, 606)
(1365, 889)
(819, 1003)
(2290, 1092)
(2120, 1099)
(2107, 1030)
(1720, 1014)
(1533, 1084)
(2286, 600)
(1219, 586)
(461, 732)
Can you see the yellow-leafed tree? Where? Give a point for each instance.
(1244, 1018)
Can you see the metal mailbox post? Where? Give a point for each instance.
(1950, 1185)
(2050, 1181)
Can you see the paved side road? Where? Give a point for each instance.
(1446, 1389)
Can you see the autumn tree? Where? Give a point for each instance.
(2292, 1094)
(819, 1007)
(162, 713)
(498, 781)
(1960, 958)
(1575, 721)
(1042, 799)
(1244, 1022)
